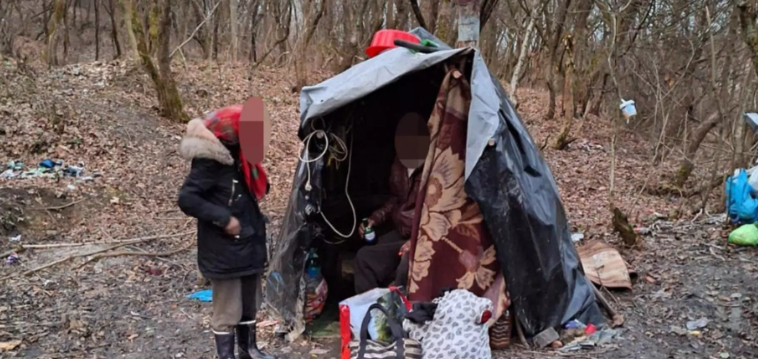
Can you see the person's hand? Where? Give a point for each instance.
(362, 229)
(233, 228)
(405, 248)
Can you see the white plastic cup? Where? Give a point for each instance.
(628, 109)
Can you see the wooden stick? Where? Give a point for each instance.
(615, 316)
(520, 332)
(133, 253)
(121, 241)
(56, 208)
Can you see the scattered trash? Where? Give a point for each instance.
(16, 165)
(47, 163)
(590, 329)
(744, 235)
(9, 173)
(751, 118)
(577, 237)
(203, 295)
(604, 266)
(741, 206)
(697, 324)
(724, 355)
(678, 330)
(71, 187)
(16, 238)
(12, 259)
(153, 271)
(628, 109)
(575, 324)
(643, 230)
(319, 351)
(546, 337)
(599, 338)
(73, 171)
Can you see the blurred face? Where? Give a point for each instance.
(255, 130)
(412, 140)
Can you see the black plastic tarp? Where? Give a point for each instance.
(505, 173)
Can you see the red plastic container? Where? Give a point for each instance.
(384, 40)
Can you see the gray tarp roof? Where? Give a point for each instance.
(386, 68)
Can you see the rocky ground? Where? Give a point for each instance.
(89, 304)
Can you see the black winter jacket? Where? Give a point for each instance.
(213, 192)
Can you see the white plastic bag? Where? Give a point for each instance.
(358, 306)
(753, 179)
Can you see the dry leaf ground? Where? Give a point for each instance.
(104, 115)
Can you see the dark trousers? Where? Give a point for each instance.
(379, 265)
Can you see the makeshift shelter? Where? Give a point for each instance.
(505, 174)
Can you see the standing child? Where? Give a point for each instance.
(222, 191)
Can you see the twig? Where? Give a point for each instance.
(132, 253)
(192, 35)
(57, 208)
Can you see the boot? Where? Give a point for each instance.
(225, 345)
(248, 347)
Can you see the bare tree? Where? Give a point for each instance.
(159, 32)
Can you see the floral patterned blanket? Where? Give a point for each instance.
(449, 244)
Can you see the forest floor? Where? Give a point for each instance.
(103, 115)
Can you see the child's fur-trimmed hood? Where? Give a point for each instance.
(199, 142)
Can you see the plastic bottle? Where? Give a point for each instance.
(315, 287)
(368, 233)
(313, 264)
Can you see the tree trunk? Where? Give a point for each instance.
(417, 12)
(172, 102)
(168, 96)
(584, 73)
(563, 140)
(468, 23)
(557, 32)
(521, 57)
(216, 24)
(114, 27)
(301, 67)
(687, 165)
(97, 30)
(253, 30)
(233, 29)
(401, 19)
(433, 16)
(748, 13)
(66, 32)
(51, 52)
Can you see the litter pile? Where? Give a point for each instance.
(47, 168)
(742, 206)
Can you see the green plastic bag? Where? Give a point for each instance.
(745, 235)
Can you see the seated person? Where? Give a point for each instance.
(378, 265)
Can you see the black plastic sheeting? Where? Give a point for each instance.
(509, 179)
